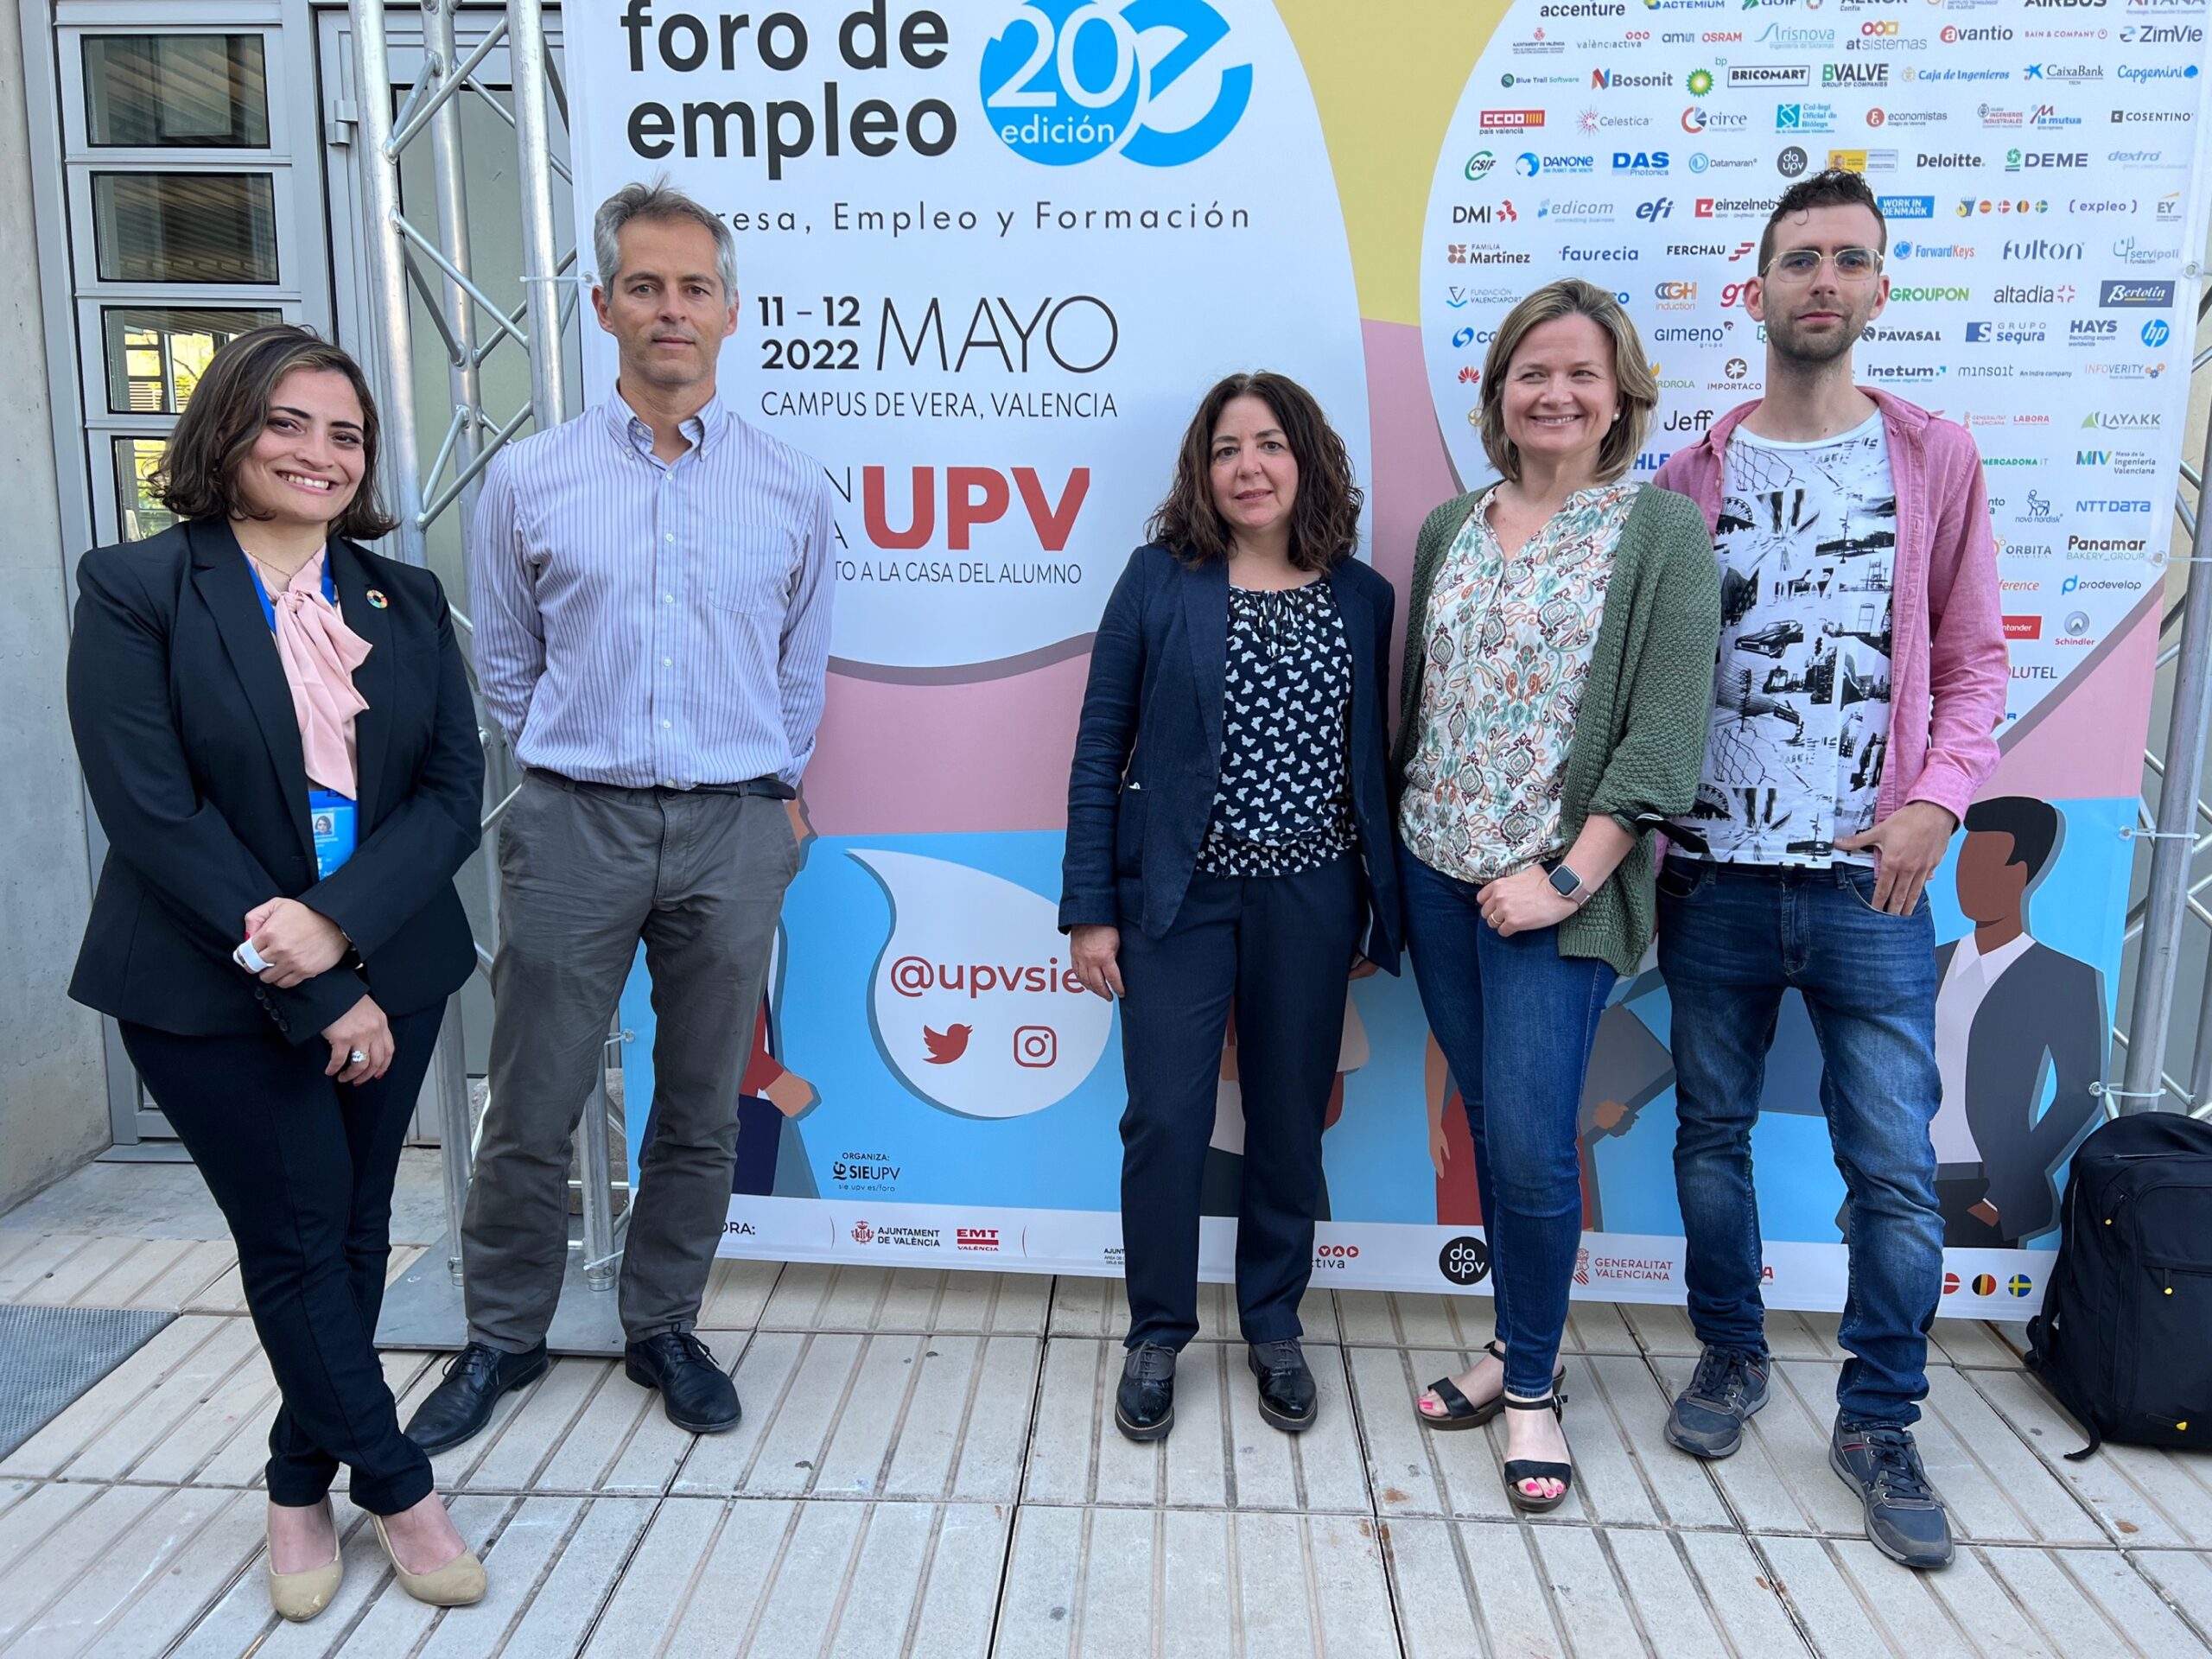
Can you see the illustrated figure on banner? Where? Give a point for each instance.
(2014, 1019)
(770, 1151)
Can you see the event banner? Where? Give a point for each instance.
(990, 256)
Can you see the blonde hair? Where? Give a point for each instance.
(1638, 386)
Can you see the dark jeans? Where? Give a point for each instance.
(302, 1168)
(1280, 949)
(1731, 941)
(1516, 1020)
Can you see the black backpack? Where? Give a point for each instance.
(2125, 1338)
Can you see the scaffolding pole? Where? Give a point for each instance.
(541, 264)
(425, 1304)
(2173, 852)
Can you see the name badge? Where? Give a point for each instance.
(336, 824)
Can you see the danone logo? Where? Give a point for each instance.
(1064, 82)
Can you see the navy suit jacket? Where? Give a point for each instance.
(191, 752)
(1147, 753)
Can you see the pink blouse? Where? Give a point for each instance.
(320, 654)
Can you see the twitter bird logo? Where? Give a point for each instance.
(947, 1045)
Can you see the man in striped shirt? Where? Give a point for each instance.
(651, 584)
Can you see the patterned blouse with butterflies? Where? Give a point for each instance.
(1284, 803)
(1509, 643)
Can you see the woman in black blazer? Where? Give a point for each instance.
(1229, 857)
(276, 730)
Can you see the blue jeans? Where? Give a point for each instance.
(1731, 941)
(1516, 1020)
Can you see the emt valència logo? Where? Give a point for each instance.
(1156, 81)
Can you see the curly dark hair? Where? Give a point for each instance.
(1834, 189)
(198, 477)
(1324, 517)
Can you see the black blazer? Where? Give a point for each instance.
(1147, 753)
(191, 752)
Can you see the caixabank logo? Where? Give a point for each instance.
(1064, 82)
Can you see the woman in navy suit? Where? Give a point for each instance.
(277, 732)
(1228, 854)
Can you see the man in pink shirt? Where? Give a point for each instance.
(1860, 676)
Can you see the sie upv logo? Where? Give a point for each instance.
(1066, 80)
(974, 1000)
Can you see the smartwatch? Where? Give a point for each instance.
(1565, 883)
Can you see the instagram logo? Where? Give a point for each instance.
(1036, 1046)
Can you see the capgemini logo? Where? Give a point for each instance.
(1063, 82)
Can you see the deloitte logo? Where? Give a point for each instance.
(1063, 82)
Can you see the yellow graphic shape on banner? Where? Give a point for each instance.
(1386, 76)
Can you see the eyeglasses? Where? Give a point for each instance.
(1802, 265)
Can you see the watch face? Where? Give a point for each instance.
(1565, 882)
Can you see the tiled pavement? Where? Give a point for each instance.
(926, 1467)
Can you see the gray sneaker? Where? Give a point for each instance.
(1905, 1517)
(1707, 1421)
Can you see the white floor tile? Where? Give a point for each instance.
(832, 1415)
(175, 1352)
(809, 1296)
(1993, 1599)
(1493, 1587)
(1104, 1583)
(2146, 1495)
(777, 1578)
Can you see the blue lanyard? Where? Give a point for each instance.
(268, 608)
(332, 815)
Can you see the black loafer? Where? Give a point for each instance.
(694, 1392)
(461, 1405)
(1287, 1397)
(1144, 1406)
(1905, 1516)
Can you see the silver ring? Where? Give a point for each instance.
(355, 1056)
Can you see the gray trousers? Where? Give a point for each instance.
(586, 870)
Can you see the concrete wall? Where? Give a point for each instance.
(54, 1111)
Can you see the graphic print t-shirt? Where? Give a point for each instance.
(1807, 540)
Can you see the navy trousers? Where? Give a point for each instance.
(302, 1169)
(1279, 951)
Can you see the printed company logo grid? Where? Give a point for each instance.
(1914, 99)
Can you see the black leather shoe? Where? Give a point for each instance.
(694, 1392)
(1905, 1516)
(1144, 1406)
(461, 1405)
(1287, 1394)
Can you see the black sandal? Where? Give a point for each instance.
(1519, 1469)
(1460, 1412)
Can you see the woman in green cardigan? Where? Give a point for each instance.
(1559, 663)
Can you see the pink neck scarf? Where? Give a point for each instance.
(320, 654)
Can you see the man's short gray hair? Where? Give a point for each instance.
(659, 199)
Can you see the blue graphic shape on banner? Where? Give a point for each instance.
(1064, 82)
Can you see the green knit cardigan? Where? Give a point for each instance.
(1639, 740)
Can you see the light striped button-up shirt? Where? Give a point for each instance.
(645, 622)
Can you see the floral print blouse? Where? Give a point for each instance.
(1509, 643)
